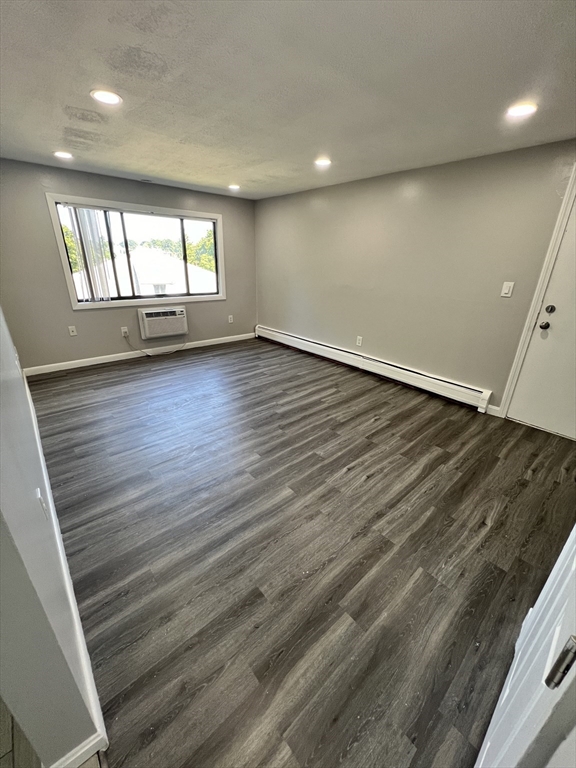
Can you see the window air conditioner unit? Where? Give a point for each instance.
(164, 321)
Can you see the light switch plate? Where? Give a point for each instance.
(507, 289)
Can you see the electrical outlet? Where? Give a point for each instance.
(230, 318)
(72, 330)
(124, 330)
(358, 341)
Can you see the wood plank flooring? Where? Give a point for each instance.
(282, 562)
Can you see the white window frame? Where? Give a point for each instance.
(113, 205)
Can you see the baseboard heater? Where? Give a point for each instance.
(463, 393)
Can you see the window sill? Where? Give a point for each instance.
(161, 301)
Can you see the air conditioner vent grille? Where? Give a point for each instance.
(167, 313)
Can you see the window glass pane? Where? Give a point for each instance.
(74, 253)
(155, 244)
(154, 265)
(201, 255)
(97, 252)
(120, 254)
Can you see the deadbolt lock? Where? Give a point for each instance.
(563, 664)
(550, 308)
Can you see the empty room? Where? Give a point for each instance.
(288, 368)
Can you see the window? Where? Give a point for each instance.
(125, 254)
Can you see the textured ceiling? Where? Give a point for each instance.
(250, 92)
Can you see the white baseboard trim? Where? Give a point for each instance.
(35, 370)
(463, 393)
(82, 752)
(495, 410)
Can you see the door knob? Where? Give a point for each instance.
(545, 325)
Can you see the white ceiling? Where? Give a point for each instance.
(251, 91)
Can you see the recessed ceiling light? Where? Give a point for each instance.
(106, 97)
(522, 110)
(323, 162)
(233, 186)
(63, 155)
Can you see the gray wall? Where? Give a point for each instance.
(33, 292)
(36, 681)
(45, 675)
(414, 262)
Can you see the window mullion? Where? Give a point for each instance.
(112, 254)
(216, 259)
(84, 257)
(127, 253)
(183, 233)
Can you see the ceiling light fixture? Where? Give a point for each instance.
(106, 97)
(522, 110)
(323, 162)
(233, 186)
(63, 155)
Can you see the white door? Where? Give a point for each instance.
(545, 393)
(525, 709)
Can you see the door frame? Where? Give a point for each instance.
(543, 280)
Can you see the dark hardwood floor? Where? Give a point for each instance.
(283, 562)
